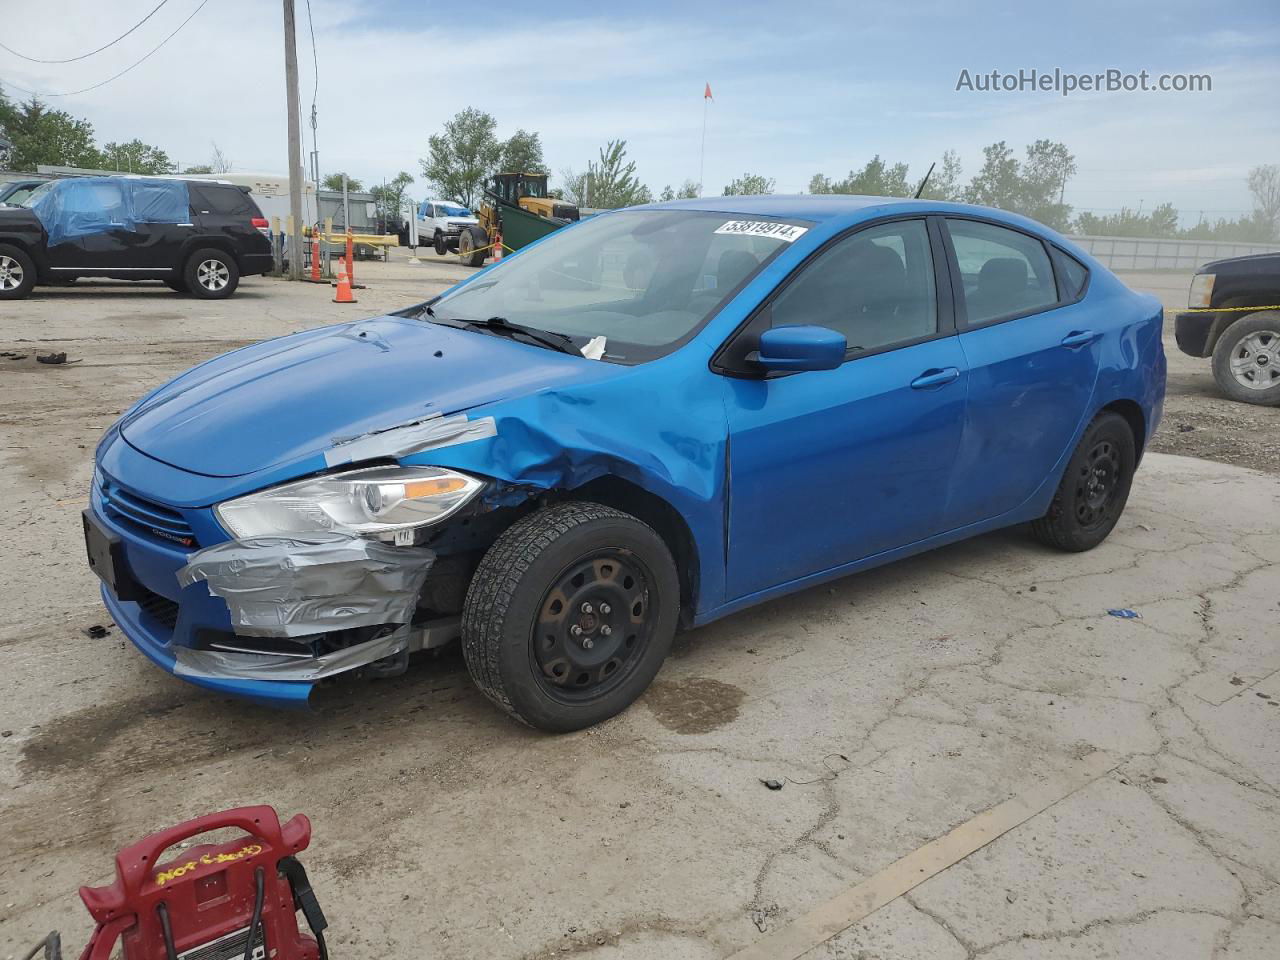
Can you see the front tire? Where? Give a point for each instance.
(17, 273)
(1246, 359)
(1094, 488)
(569, 615)
(442, 248)
(211, 274)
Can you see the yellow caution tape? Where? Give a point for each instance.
(1273, 306)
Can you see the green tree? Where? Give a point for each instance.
(1043, 177)
(54, 137)
(667, 194)
(462, 156)
(199, 168)
(522, 153)
(749, 184)
(997, 183)
(608, 183)
(136, 157)
(388, 197)
(333, 181)
(689, 191)
(944, 182)
(876, 179)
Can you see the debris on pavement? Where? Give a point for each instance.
(10, 355)
(96, 632)
(772, 784)
(54, 359)
(1125, 614)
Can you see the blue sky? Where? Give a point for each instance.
(799, 88)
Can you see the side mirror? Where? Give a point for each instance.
(801, 348)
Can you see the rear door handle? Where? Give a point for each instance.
(1079, 338)
(935, 378)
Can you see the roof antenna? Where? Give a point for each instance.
(920, 189)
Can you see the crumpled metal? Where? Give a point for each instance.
(225, 664)
(294, 586)
(426, 434)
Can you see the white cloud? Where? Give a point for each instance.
(797, 91)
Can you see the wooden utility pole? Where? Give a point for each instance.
(295, 143)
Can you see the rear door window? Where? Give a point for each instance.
(1004, 273)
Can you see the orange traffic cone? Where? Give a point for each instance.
(343, 293)
(497, 247)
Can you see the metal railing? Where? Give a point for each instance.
(1146, 253)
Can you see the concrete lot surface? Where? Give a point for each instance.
(1141, 757)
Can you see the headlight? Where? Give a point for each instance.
(1201, 290)
(367, 502)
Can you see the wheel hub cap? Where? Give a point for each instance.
(212, 275)
(1255, 362)
(10, 273)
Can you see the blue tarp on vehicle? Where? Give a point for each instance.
(87, 205)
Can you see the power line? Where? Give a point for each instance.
(91, 52)
(136, 63)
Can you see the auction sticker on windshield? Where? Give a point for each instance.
(762, 228)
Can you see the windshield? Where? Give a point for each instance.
(35, 194)
(15, 199)
(451, 210)
(646, 280)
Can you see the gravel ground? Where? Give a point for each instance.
(1199, 421)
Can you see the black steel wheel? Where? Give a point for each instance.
(1094, 488)
(593, 626)
(570, 614)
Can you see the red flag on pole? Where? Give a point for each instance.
(707, 93)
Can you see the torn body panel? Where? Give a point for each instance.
(297, 586)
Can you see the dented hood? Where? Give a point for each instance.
(288, 399)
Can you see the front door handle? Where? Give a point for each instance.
(1078, 338)
(935, 378)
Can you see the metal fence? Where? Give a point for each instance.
(1142, 253)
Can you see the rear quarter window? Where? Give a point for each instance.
(1073, 276)
(223, 200)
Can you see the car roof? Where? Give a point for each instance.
(846, 207)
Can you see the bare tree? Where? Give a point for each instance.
(219, 162)
(1264, 184)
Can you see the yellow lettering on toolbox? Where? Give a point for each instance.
(181, 869)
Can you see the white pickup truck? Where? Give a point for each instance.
(440, 222)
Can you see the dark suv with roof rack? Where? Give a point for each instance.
(197, 236)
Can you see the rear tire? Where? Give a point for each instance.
(1246, 359)
(471, 246)
(1094, 487)
(211, 274)
(569, 615)
(17, 273)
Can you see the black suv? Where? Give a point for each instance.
(198, 236)
(1233, 316)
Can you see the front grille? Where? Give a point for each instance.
(161, 609)
(147, 516)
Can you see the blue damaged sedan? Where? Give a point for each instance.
(650, 419)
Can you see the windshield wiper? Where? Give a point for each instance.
(546, 338)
